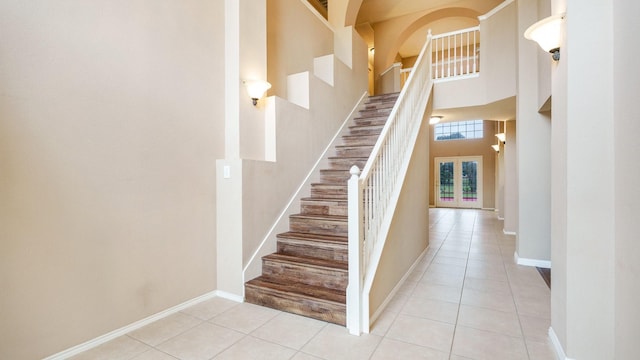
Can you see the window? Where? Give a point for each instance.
(460, 130)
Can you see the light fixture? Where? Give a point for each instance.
(548, 34)
(256, 89)
(496, 147)
(501, 136)
(434, 120)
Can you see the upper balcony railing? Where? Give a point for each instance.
(454, 55)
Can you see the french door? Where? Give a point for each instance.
(458, 181)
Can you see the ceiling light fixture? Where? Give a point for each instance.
(434, 120)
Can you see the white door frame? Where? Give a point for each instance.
(457, 171)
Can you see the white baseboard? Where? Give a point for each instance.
(138, 324)
(500, 218)
(531, 262)
(508, 232)
(560, 355)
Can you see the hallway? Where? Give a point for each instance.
(466, 299)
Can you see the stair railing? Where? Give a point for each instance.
(373, 193)
(456, 54)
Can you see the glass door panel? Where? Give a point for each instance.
(469, 182)
(446, 193)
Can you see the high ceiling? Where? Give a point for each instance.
(373, 11)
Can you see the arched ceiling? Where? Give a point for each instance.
(373, 11)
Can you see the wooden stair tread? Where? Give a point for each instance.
(307, 291)
(337, 239)
(308, 261)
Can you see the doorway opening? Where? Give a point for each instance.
(458, 182)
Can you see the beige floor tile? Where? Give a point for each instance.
(122, 347)
(154, 354)
(488, 300)
(486, 273)
(422, 332)
(201, 342)
(164, 329)
(458, 357)
(542, 350)
(484, 345)
(255, 349)
(398, 301)
(302, 356)
(442, 278)
(447, 260)
(431, 309)
(289, 330)
(245, 317)
(462, 254)
(392, 350)
(485, 257)
(383, 323)
(535, 328)
(536, 307)
(335, 343)
(457, 270)
(505, 323)
(210, 308)
(438, 292)
(487, 285)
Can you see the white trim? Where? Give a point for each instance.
(394, 65)
(560, 354)
(395, 290)
(501, 218)
(508, 232)
(489, 209)
(317, 14)
(531, 262)
(495, 10)
(456, 77)
(296, 195)
(138, 324)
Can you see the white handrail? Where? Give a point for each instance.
(373, 193)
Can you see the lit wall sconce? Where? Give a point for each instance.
(434, 120)
(496, 147)
(256, 89)
(502, 137)
(548, 34)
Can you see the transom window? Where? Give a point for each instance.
(459, 130)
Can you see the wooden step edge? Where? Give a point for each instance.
(333, 239)
(308, 292)
(309, 262)
(319, 217)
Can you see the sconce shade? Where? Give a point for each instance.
(434, 120)
(256, 89)
(496, 147)
(502, 137)
(547, 33)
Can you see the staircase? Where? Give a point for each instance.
(309, 273)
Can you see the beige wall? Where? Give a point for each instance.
(533, 242)
(472, 147)
(627, 193)
(109, 130)
(301, 135)
(511, 196)
(497, 76)
(583, 303)
(409, 233)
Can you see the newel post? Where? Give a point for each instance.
(354, 289)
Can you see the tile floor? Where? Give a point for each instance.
(466, 299)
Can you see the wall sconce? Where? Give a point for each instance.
(502, 137)
(256, 89)
(434, 120)
(496, 147)
(548, 34)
